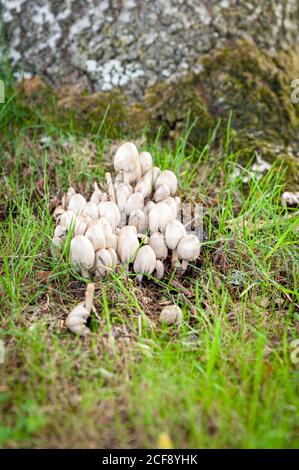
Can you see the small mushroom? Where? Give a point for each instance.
(138, 220)
(158, 217)
(96, 236)
(159, 269)
(145, 261)
(188, 249)
(82, 254)
(158, 244)
(167, 177)
(144, 186)
(146, 162)
(161, 192)
(127, 245)
(110, 211)
(126, 158)
(172, 204)
(59, 210)
(103, 262)
(91, 209)
(153, 174)
(60, 232)
(134, 203)
(70, 193)
(68, 219)
(76, 320)
(122, 193)
(77, 203)
(114, 257)
(97, 195)
(111, 240)
(174, 232)
(171, 314)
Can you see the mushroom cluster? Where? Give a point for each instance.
(133, 220)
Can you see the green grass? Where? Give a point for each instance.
(224, 378)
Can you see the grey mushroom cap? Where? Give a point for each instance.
(188, 248)
(145, 261)
(171, 314)
(158, 244)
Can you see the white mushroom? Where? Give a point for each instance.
(127, 246)
(67, 219)
(149, 205)
(110, 211)
(174, 232)
(134, 203)
(103, 262)
(188, 249)
(153, 174)
(70, 192)
(96, 236)
(91, 209)
(76, 320)
(146, 162)
(122, 193)
(97, 195)
(126, 158)
(145, 261)
(111, 240)
(171, 314)
(159, 269)
(77, 203)
(144, 186)
(158, 217)
(82, 254)
(172, 204)
(138, 220)
(60, 232)
(167, 177)
(157, 242)
(114, 257)
(161, 192)
(59, 210)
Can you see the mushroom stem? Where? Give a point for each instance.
(174, 257)
(184, 265)
(110, 187)
(139, 278)
(89, 296)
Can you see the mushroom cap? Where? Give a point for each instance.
(145, 261)
(77, 203)
(134, 202)
(110, 211)
(111, 240)
(96, 236)
(174, 232)
(80, 226)
(70, 192)
(169, 178)
(103, 260)
(158, 244)
(171, 314)
(159, 268)
(144, 186)
(67, 219)
(59, 210)
(114, 257)
(76, 319)
(122, 192)
(138, 219)
(127, 246)
(56, 246)
(161, 192)
(82, 253)
(126, 158)
(172, 204)
(146, 162)
(153, 174)
(165, 215)
(91, 209)
(188, 248)
(128, 230)
(60, 232)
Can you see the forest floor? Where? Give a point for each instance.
(223, 378)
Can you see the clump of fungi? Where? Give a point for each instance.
(134, 220)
